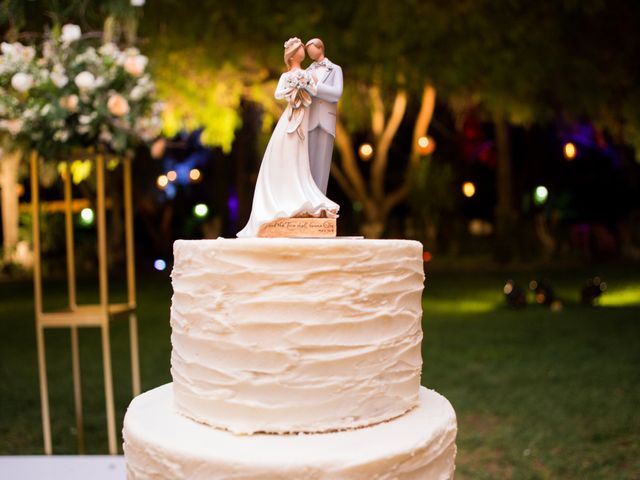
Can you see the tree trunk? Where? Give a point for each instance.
(505, 212)
(376, 201)
(9, 164)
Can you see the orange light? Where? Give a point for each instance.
(468, 189)
(570, 151)
(365, 151)
(194, 174)
(162, 181)
(172, 175)
(426, 145)
(426, 257)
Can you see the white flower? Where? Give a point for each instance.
(70, 33)
(118, 105)
(137, 3)
(84, 119)
(26, 54)
(59, 79)
(22, 81)
(30, 114)
(45, 110)
(109, 49)
(137, 93)
(12, 126)
(85, 80)
(135, 65)
(61, 135)
(7, 49)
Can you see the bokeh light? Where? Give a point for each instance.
(426, 145)
(468, 189)
(159, 264)
(540, 195)
(194, 175)
(200, 210)
(162, 181)
(87, 216)
(570, 151)
(365, 151)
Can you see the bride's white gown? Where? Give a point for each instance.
(285, 187)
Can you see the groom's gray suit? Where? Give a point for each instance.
(322, 119)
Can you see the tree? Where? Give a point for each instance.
(382, 78)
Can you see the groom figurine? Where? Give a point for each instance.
(322, 112)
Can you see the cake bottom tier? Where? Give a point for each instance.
(162, 444)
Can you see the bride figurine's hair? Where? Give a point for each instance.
(291, 46)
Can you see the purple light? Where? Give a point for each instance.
(233, 205)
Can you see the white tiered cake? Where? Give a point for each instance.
(294, 359)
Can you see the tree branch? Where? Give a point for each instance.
(377, 111)
(427, 106)
(343, 181)
(349, 163)
(380, 160)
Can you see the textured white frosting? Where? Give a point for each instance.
(290, 335)
(161, 444)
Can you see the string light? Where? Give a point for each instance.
(426, 145)
(86, 216)
(160, 264)
(365, 151)
(540, 195)
(172, 175)
(162, 181)
(194, 174)
(570, 151)
(468, 189)
(200, 210)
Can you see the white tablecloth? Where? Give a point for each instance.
(62, 467)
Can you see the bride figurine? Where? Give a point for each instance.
(287, 201)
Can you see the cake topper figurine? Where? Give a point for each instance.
(287, 201)
(322, 112)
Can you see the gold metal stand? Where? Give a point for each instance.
(76, 316)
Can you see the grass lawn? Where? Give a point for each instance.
(539, 395)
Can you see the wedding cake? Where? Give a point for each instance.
(293, 359)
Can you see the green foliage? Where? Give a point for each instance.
(528, 61)
(199, 96)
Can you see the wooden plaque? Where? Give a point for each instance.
(299, 227)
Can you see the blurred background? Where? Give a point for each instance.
(503, 135)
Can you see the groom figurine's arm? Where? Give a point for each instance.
(331, 93)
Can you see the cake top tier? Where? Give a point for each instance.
(285, 335)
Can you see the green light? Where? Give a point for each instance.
(200, 210)
(540, 195)
(86, 216)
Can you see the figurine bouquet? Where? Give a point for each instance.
(298, 84)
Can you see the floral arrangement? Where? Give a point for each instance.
(68, 93)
